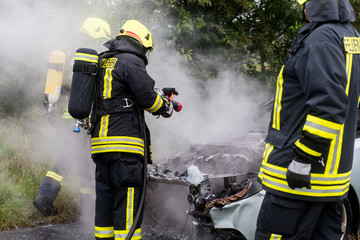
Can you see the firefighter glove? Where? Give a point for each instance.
(168, 108)
(298, 174)
(168, 91)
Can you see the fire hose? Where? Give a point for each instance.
(177, 108)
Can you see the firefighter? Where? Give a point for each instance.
(118, 147)
(309, 148)
(73, 149)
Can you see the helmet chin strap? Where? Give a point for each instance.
(147, 55)
(304, 19)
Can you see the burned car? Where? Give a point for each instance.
(216, 187)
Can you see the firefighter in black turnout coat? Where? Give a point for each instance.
(125, 90)
(72, 149)
(308, 156)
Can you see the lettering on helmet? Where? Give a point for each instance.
(109, 62)
(352, 45)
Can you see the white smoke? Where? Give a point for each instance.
(214, 111)
(211, 112)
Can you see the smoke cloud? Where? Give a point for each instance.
(213, 111)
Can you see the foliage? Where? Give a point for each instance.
(252, 36)
(20, 178)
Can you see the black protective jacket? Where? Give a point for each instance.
(123, 91)
(315, 107)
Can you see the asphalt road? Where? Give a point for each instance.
(77, 231)
(68, 231)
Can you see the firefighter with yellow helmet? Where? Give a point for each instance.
(73, 149)
(309, 148)
(120, 139)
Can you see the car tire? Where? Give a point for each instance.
(347, 219)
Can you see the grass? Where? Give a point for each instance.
(22, 170)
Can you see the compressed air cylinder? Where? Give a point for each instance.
(83, 83)
(54, 77)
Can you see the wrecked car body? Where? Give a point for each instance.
(216, 186)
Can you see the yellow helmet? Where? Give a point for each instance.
(96, 28)
(301, 2)
(137, 30)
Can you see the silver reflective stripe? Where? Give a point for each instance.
(273, 170)
(108, 83)
(337, 140)
(136, 141)
(123, 236)
(104, 232)
(329, 191)
(275, 236)
(104, 124)
(157, 104)
(327, 180)
(85, 190)
(332, 179)
(118, 148)
(86, 57)
(130, 207)
(54, 176)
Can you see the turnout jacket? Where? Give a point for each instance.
(125, 89)
(315, 112)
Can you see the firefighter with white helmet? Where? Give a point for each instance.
(120, 139)
(56, 98)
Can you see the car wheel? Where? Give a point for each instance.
(347, 219)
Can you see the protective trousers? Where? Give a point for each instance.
(73, 152)
(118, 183)
(287, 219)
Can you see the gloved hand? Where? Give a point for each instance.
(298, 174)
(168, 91)
(168, 107)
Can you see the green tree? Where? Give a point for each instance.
(251, 36)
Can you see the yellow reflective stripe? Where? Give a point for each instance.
(267, 151)
(104, 124)
(86, 57)
(275, 171)
(277, 102)
(329, 130)
(122, 234)
(330, 179)
(323, 122)
(275, 236)
(104, 232)
(349, 63)
(315, 191)
(117, 139)
(157, 104)
(130, 208)
(324, 179)
(117, 148)
(323, 185)
(54, 176)
(85, 190)
(307, 150)
(67, 114)
(108, 78)
(261, 173)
